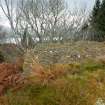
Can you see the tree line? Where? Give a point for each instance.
(38, 21)
(97, 18)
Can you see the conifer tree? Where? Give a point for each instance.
(95, 14)
(101, 17)
(97, 20)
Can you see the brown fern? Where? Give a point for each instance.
(10, 75)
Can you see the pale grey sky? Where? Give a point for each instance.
(72, 4)
(81, 3)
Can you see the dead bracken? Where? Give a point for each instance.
(10, 75)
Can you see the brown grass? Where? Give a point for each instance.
(10, 74)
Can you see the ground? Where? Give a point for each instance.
(68, 52)
(61, 74)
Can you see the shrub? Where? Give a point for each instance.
(2, 59)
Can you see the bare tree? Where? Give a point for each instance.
(43, 17)
(11, 10)
(35, 21)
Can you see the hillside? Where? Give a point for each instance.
(68, 52)
(60, 74)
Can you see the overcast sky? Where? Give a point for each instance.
(81, 3)
(72, 4)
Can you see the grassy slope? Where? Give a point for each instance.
(77, 80)
(68, 52)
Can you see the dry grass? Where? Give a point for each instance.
(70, 83)
(10, 75)
(59, 85)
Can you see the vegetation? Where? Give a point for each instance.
(60, 86)
(47, 64)
(97, 18)
(2, 59)
(76, 83)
